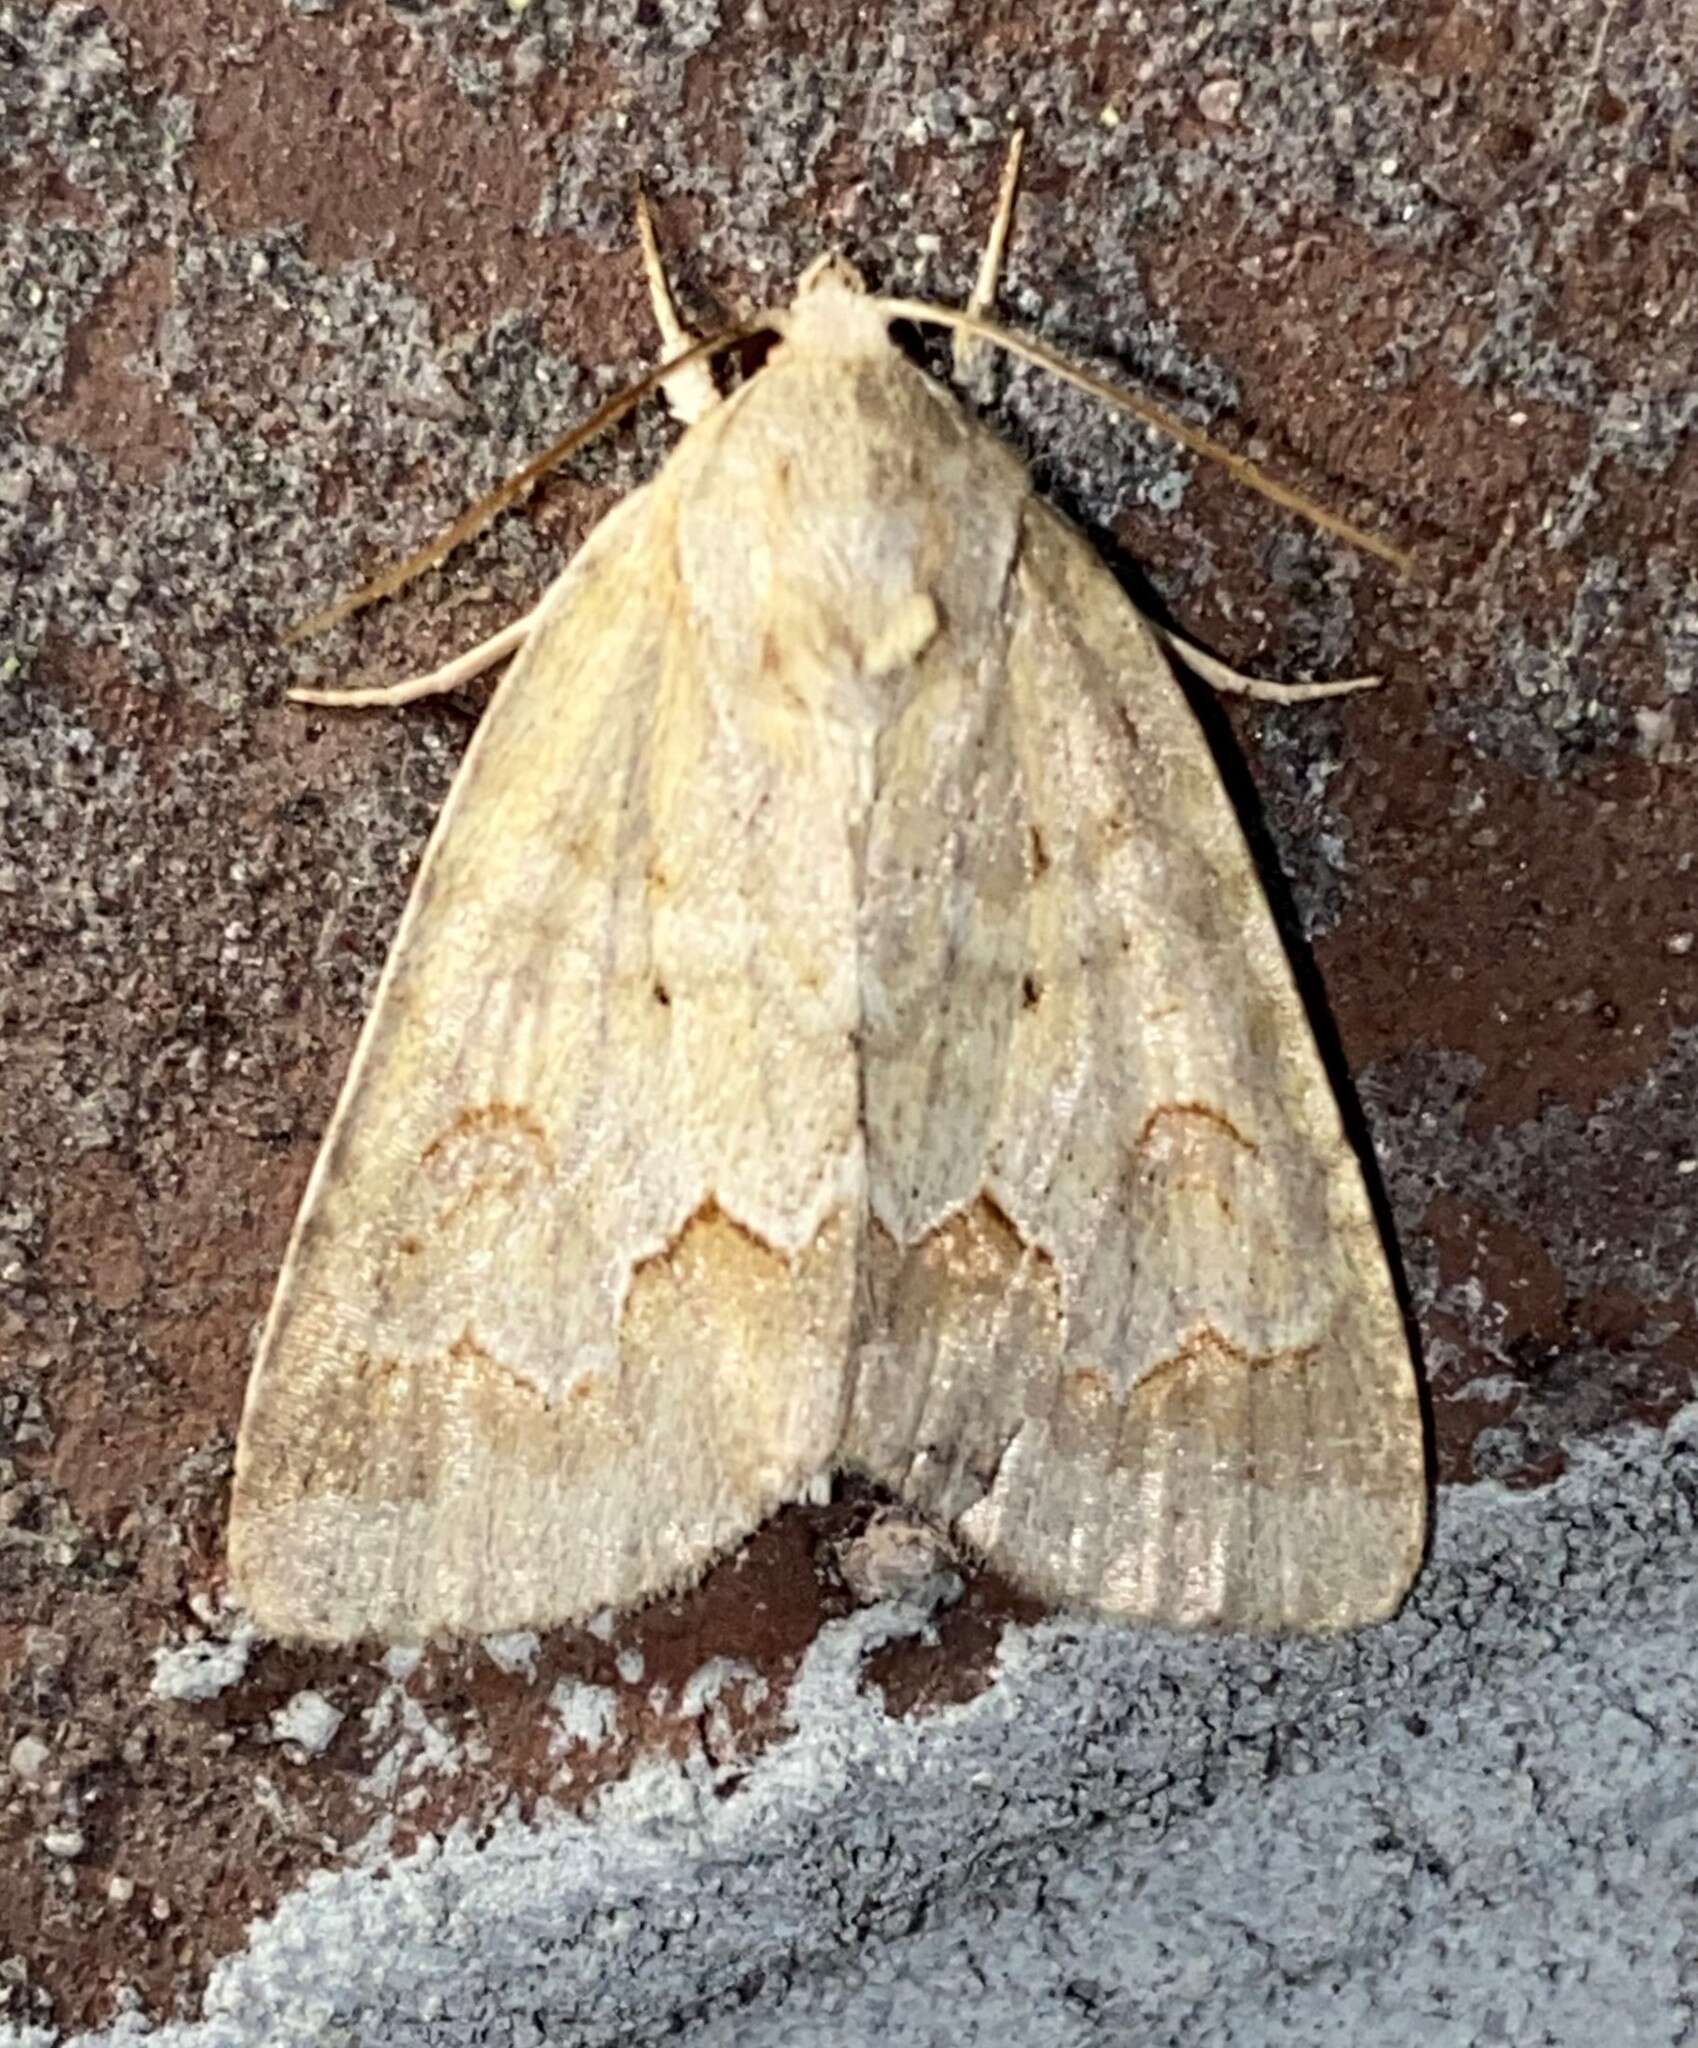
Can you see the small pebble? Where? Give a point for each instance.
(1220, 100)
(308, 1721)
(28, 1754)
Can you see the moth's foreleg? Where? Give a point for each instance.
(692, 392)
(968, 349)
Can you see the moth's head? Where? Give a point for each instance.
(832, 313)
(831, 272)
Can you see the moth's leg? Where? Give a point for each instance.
(1218, 675)
(449, 677)
(692, 392)
(968, 348)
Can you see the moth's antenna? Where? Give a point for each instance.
(517, 487)
(1237, 466)
(966, 325)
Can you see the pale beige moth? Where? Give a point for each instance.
(837, 1024)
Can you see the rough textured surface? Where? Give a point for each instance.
(1463, 1828)
(284, 284)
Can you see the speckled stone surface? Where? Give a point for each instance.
(1470, 1826)
(284, 286)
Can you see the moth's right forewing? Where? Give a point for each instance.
(565, 1311)
(1131, 1329)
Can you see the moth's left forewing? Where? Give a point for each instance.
(1130, 1326)
(566, 1308)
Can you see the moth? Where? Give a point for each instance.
(837, 1023)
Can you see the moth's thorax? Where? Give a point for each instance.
(833, 316)
(840, 525)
